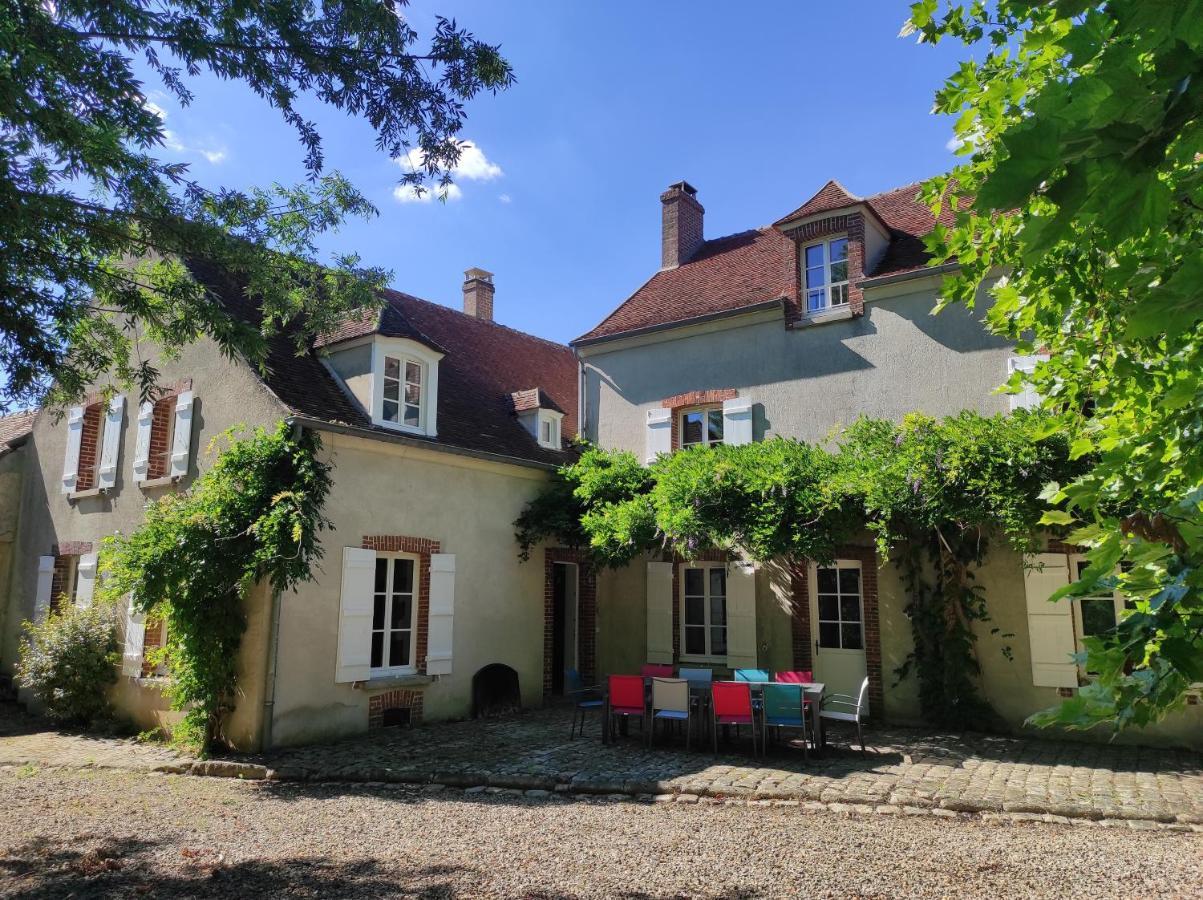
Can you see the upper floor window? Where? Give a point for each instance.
(549, 429)
(402, 391)
(701, 427)
(825, 274)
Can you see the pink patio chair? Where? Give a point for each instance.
(656, 670)
(626, 698)
(802, 676)
(731, 703)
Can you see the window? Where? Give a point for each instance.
(162, 437)
(704, 618)
(393, 614)
(825, 274)
(549, 430)
(701, 427)
(65, 583)
(89, 447)
(839, 606)
(402, 391)
(1099, 613)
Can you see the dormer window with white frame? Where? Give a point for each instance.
(549, 429)
(405, 385)
(825, 274)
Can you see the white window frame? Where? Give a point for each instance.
(1077, 562)
(709, 656)
(828, 289)
(386, 670)
(405, 350)
(839, 565)
(548, 420)
(708, 410)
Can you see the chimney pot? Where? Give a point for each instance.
(478, 294)
(681, 224)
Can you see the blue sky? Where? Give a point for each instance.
(755, 106)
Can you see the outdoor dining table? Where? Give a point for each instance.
(702, 690)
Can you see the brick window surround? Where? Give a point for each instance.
(89, 445)
(586, 623)
(690, 399)
(421, 548)
(800, 624)
(850, 224)
(66, 556)
(162, 426)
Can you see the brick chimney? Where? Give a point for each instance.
(478, 294)
(681, 228)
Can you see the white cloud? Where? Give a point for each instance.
(407, 193)
(214, 155)
(473, 165)
(504, 198)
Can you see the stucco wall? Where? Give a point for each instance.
(468, 506)
(12, 471)
(895, 359)
(226, 394)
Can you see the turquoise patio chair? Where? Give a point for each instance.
(782, 707)
(753, 675)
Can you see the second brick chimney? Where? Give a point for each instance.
(478, 294)
(681, 224)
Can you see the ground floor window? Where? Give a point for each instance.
(841, 618)
(1096, 614)
(65, 584)
(704, 610)
(393, 604)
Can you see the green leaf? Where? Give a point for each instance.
(1057, 517)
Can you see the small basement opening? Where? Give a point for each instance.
(495, 691)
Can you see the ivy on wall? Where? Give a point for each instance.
(254, 517)
(933, 493)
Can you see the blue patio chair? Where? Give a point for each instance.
(586, 699)
(755, 675)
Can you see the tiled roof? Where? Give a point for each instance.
(484, 363)
(535, 398)
(388, 321)
(14, 427)
(752, 267)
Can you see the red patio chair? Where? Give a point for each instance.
(626, 698)
(731, 702)
(802, 676)
(656, 670)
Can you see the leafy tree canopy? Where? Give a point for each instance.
(1082, 132)
(95, 224)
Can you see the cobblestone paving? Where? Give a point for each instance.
(904, 769)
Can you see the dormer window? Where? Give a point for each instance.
(540, 416)
(404, 383)
(825, 274)
(549, 429)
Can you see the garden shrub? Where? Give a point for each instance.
(70, 661)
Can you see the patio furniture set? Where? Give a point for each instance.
(767, 703)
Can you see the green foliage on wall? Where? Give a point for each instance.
(254, 517)
(931, 493)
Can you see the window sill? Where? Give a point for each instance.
(90, 492)
(384, 680)
(823, 316)
(152, 483)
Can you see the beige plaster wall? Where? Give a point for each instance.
(468, 506)
(227, 394)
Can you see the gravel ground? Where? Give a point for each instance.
(93, 833)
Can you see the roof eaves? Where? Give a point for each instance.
(681, 323)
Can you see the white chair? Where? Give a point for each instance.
(852, 709)
(670, 703)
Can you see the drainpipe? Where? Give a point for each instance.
(269, 691)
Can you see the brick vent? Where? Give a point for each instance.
(379, 704)
(852, 224)
(713, 397)
(586, 613)
(89, 447)
(800, 625)
(422, 548)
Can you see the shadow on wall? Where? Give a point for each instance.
(957, 327)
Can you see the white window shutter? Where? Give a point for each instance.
(660, 612)
(135, 638)
(1050, 625)
(442, 614)
(146, 417)
(355, 615)
(85, 583)
(41, 602)
(737, 421)
(659, 433)
(741, 615)
(75, 433)
(110, 445)
(181, 445)
(1027, 398)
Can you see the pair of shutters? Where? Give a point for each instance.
(737, 426)
(355, 615)
(741, 614)
(110, 442)
(1050, 625)
(85, 584)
